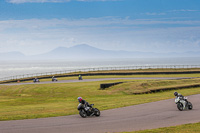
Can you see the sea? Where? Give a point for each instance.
(13, 68)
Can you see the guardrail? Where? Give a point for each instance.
(17, 77)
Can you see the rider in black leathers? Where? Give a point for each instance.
(86, 104)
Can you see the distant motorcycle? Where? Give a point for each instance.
(183, 104)
(36, 80)
(54, 79)
(80, 78)
(88, 111)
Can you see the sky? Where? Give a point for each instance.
(38, 26)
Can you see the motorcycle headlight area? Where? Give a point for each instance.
(177, 100)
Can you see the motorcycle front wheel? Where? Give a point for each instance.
(83, 113)
(190, 106)
(97, 112)
(180, 106)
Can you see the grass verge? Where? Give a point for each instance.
(149, 86)
(186, 128)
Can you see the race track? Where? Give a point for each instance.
(100, 79)
(144, 116)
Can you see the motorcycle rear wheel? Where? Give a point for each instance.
(180, 106)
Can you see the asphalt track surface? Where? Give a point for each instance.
(138, 117)
(100, 79)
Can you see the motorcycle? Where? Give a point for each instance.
(181, 102)
(36, 80)
(88, 111)
(54, 79)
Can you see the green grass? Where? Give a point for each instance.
(186, 128)
(48, 100)
(138, 87)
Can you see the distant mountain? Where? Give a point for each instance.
(78, 51)
(12, 56)
(84, 51)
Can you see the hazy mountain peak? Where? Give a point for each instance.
(84, 51)
(15, 55)
(79, 47)
(83, 46)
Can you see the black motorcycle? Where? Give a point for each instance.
(88, 111)
(36, 80)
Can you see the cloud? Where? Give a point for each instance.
(154, 14)
(36, 1)
(92, 23)
(165, 13)
(97, 0)
(184, 10)
(51, 1)
(34, 36)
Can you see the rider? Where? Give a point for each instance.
(181, 97)
(80, 77)
(86, 104)
(53, 78)
(178, 95)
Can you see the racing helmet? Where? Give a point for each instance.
(79, 99)
(175, 93)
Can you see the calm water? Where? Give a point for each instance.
(13, 68)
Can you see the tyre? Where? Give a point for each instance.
(82, 113)
(97, 112)
(180, 106)
(190, 106)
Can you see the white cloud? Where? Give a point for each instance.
(37, 24)
(35, 36)
(36, 1)
(165, 13)
(184, 10)
(97, 0)
(154, 13)
(52, 1)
